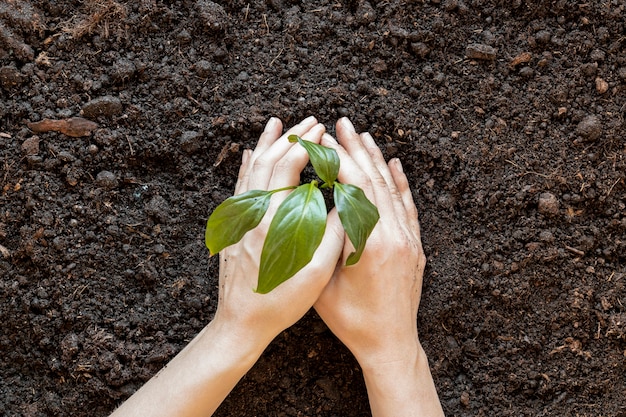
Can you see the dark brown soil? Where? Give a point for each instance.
(508, 117)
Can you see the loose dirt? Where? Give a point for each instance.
(508, 117)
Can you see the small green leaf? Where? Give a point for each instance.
(295, 233)
(234, 218)
(358, 216)
(325, 160)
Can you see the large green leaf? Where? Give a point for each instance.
(295, 233)
(325, 160)
(234, 218)
(358, 216)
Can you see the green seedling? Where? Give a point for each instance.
(298, 226)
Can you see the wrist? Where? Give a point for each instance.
(401, 387)
(242, 343)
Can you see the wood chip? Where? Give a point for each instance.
(522, 58)
(74, 126)
(5, 252)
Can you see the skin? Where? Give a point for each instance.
(372, 306)
(373, 315)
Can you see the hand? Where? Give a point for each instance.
(198, 379)
(275, 163)
(372, 306)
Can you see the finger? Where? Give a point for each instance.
(245, 159)
(271, 133)
(402, 184)
(287, 170)
(353, 143)
(383, 169)
(264, 160)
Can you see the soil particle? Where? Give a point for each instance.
(191, 141)
(213, 15)
(420, 49)
(159, 208)
(365, 13)
(601, 85)
(10, 77)
(107, 106)
(123, 70)
(481, 52)
(106, 179)
(548, 204)
(590, 128)
(31, 146)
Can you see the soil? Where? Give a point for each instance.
(507, 115)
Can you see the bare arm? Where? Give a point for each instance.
(372, 306)
(198, 379)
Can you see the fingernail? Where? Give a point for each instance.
(347, 124)
(245, 156)
(329, 138)
(399, 165)
(271, 124)
(309, 119)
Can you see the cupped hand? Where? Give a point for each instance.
(372, 306)
(274, 163)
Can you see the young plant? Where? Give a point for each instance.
(298, 226)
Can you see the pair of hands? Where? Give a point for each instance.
(371, 306)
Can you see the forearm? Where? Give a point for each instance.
(198, 379)
(402, 388)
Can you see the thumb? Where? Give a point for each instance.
(332, 242)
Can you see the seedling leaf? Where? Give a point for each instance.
(295, 233)
(358, 216)
(234, 218)
(325, 160)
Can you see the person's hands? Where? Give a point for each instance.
(372, 306)
(275, 163)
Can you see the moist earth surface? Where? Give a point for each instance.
(507, 115)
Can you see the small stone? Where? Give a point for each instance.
(590, 128)
(450, 5)
(183, 36)
(465, 399)
(107, 106)
(601, 85)
(548, 204)
(243, 76)
(123, 70)
(190, 141)
(420, 49)
(158, 208)
(213, 15)
(365, 13)
(527, 72)
(10, 77)
(480, 51)
(543, 36)
(546, 236)
(202, 68)
(106, 179)
(31, 146)
(597, 55)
